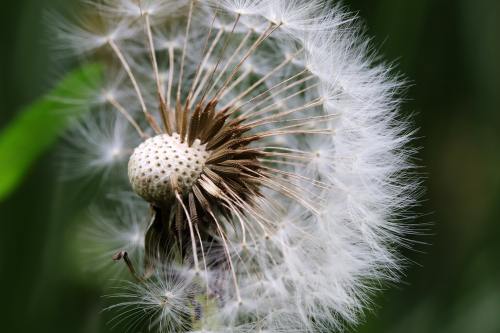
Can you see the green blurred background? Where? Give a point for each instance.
(449, 49)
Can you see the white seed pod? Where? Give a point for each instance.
(162, 163)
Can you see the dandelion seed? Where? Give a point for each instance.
(162, 303)
(267, 144)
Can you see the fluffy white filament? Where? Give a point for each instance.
(309, 260)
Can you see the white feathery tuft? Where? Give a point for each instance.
(97, 145)
(162, 303)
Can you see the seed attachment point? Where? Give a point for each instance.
(163, 164)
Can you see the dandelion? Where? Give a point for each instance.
(266, 141)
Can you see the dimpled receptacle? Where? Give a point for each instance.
(163, 164)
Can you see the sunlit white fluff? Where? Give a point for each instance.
(161, 304)
(95, 145)
(157, 9)
(326, 251)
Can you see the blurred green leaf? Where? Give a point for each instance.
(38, 126)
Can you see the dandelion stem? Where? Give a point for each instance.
(124, 255)
(205, 56)
(229, 61)
(126, 66)
(262, 79)
(126, 114)
(184, 49)
(171, 64)
(309, 105)
(163, 107)
(299, 121)
(274, 106)
(274, 94)
(191, 232)
(235, 83)
(228, 255)
(272, 27)
(197, 88)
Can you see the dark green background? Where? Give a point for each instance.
(449, 49)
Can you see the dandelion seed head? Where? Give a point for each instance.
(264, 135)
